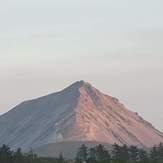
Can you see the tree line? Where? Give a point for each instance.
(120, 154)
(98, 154)
(9, 156)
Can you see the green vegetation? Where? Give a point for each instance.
(9, 156)
(118, 154)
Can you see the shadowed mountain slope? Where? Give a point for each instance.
(77, 113)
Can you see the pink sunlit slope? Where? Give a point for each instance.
(77, 113)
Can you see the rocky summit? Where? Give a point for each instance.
(80, 112)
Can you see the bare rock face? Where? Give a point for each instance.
(77, 113)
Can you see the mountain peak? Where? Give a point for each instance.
(80, 112)
(82, 83)
(78, 85)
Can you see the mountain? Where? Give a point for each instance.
(79, 113)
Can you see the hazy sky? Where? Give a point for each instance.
(117, 45)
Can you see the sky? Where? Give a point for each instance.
(116, 45)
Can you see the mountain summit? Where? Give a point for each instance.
(77, 113)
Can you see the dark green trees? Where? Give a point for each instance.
(9, 156)
(120, 153)
(93, 155)
(98, 154)
(5, 154)
(18, 156)
(156, 154)
(82, 154)
(134, 153)
(102, 155)
(143, 156)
